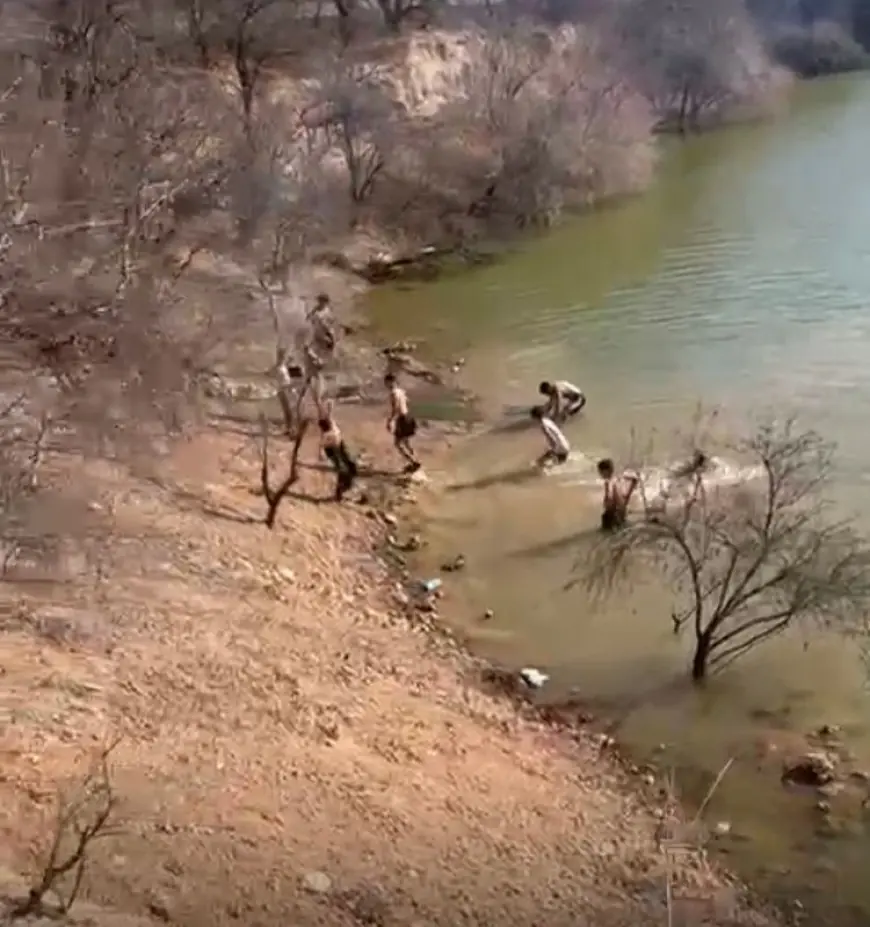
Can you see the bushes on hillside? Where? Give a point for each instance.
(539, 123)
(696, 62)
(820, 49)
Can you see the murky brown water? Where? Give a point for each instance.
(742, 281)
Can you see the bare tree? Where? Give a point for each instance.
(303, 206)
(276, 494)
(251, 50)
(202, 21)
(22, 450)
(253, 33)
(361, 121)
(546, 122)
(83, 818)
(93, 303)
(751, 562)
(94, 332)
(694, 60)
(346, 12)
(824, 47)
(396, 13)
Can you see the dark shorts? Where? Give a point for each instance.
(325, 343)
(405, 427)
(612, 520)
(560, 457)
(340, 458)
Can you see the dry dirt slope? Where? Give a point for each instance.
(282, 720)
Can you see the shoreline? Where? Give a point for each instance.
(297, 746)
(572, 718)
(567, 718)
(297, 741)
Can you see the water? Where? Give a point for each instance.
(741, 281)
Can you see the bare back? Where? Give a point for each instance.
(398, 401)
(331, 438)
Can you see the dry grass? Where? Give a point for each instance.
(281, 717)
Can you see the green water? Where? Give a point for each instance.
(741, 281)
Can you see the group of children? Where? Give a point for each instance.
(316, 347)
(400, 423)
(564, 400)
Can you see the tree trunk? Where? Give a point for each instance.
(684, 111)
(287, 411)
(700, 658)
(393, 13)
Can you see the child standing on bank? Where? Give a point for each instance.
(336, 452)
(400, 423)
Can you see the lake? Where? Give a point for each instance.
(739, 282)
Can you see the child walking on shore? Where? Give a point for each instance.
(400, 423)
(336, 452)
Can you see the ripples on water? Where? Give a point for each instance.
(581, 470)
(741, 281)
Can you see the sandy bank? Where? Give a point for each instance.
(282, 718)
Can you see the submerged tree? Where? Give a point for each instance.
(748, 563)
(693, 59)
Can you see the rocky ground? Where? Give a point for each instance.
(295, 746)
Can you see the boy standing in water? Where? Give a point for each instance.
(336, 452)
(401, 424)
(617, 494)
(558, 447)
(564, 400)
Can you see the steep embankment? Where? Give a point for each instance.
(446, 136)
(295, 749)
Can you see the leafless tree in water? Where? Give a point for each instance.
(747, 563)
(543, 124)
(692, 59)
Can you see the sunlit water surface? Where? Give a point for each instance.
(740, 281)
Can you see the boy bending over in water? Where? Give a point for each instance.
(558, 447)
(617, 494)
(563, 399)
(336, 452)
(401, 424)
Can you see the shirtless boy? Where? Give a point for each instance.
(558, 447)
(564, 400)
(323, 338)
(401, 424)
(336, 452)
(697, 464)
(617, 494)
(687, 477)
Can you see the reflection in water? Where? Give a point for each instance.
(743, 281)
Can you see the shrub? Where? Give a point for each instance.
(823, 48)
